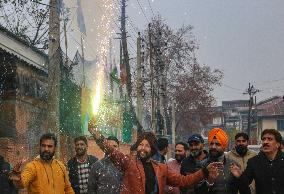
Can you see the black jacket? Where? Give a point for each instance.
(188, 166)
(73, 171)
(6, 186)
(104, 178)
(268, 175)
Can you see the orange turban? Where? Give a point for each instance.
(220, 135)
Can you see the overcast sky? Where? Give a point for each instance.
(244, 38)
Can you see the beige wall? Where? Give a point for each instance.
(269, 124)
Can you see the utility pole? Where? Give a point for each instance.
(153, 107)
(127, 65)
(251, 91)
(139, 81)
(173, 123)
(55, 60)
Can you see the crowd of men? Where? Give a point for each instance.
(145, 170)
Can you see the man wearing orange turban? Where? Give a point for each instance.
(220, 135)
(225, 183)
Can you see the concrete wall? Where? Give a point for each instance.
(269, 124)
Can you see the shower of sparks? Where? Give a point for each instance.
(105, 33)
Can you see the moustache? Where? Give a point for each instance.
(265, 145)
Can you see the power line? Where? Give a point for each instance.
(151, 7)
(143, 11)
(269, 81)
(233, 88)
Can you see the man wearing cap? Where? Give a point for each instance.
(192, 163)
(142, 175)
(225, 183)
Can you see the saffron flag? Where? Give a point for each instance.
(80, 18)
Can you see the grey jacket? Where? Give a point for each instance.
(104, 178)
(226, 183)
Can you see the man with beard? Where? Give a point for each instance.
(174, 165)
(266, 168)
(80, 166)
(142, 175)
(104, 176)
(241, 154)
(193, 162)
(44, 174)
(225, 182)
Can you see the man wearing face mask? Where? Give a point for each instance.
(241, 154)
(44, 174)
(174, 164)
(192, 163)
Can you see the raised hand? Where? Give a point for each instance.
(15, 174)
(235, 170)
(92, 128)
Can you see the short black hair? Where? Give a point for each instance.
(242, 134)
(48, 136)
(113, 138)
(162, 143)
(185, 146)
(81, 138)
(274, 132)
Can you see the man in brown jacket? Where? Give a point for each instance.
(241, 154)
(145, 176)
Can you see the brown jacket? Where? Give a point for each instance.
(134, 176)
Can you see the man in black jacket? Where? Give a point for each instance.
(104, 177)
(80, 166)
(267, 168)
(6, 185)
(192, 163)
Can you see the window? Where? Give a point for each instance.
(280, 125)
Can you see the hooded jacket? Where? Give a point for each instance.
(40, 177)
